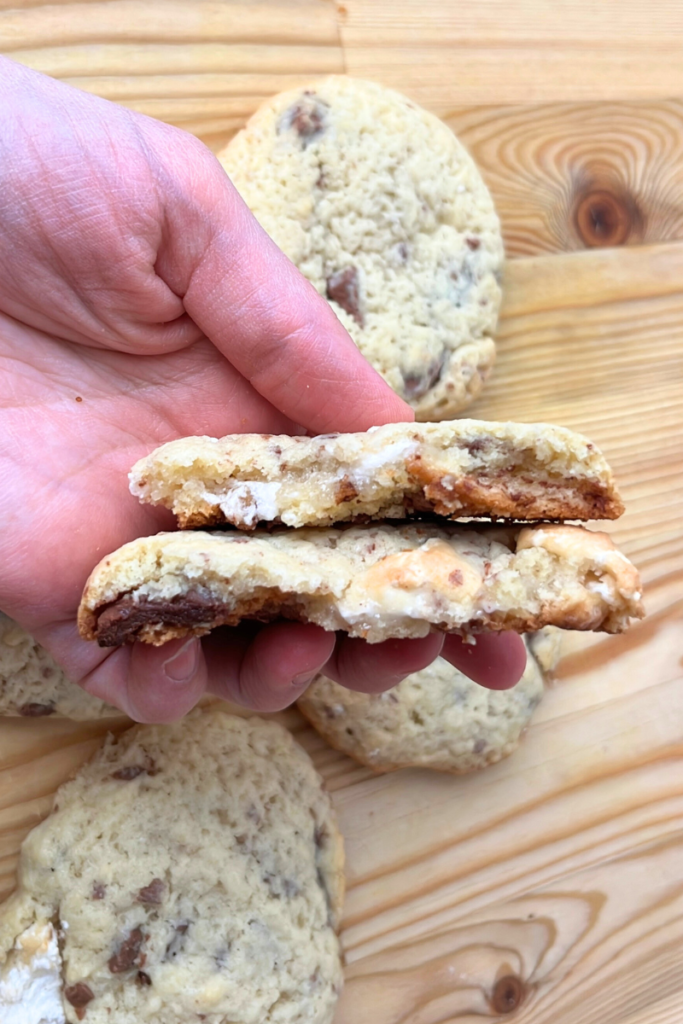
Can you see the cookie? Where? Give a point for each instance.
(194, 873)
(385, 212)
(33, 685)
(436, 718)
(375, 582)
(466, 468)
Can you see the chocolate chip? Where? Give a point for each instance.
(36, 710)
(307, 118)
(79, 994)
(418, 384)
(479, 747)
(320, 836)
(280, 886)
(142, 978)
(177, 942)
(473, 243)
(131, 771)
(477, 444)
(98, 891)
(151, 894)
(127, 954)
(343, 288)
(121, 621)
(345, 491)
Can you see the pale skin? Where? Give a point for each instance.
(141, 302)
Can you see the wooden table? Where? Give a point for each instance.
(562, 867)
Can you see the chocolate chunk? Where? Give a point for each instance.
(121, 621)
(36, 710)
(307, 118)
(177, 942)
(418, 384)
(131, 771)
(151, 894)
(128, 953)
(320, 836)
(477, 445)
(479, 746)
(343, 287)
(79, 994)
(142, 978)
(345, 491)
(98, 891)
(473, 243)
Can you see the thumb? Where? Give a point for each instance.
(253, 303)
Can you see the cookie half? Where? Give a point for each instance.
(465, 468)
(375, 582)
(436, 718)
(385, 212)
(33, 685)
(192, 872)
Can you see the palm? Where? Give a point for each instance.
(75, 420)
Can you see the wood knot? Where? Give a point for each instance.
(605, 218)
(508, 994)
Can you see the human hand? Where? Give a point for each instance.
(140, 302)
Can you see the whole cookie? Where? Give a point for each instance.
(384, 211)
(33, 685)
(194, 873)
(436, 718)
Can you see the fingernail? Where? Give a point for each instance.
(303, 679)
(182, 665)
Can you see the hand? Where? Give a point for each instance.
(140, 302)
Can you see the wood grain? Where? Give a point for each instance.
(553, 879)
(547, 889)
(204, 65)
(580, 175)
(496, 52)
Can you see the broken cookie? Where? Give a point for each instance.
(466, 468)
(375, 582)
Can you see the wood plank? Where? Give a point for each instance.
(583, 23)
(598, 945)
(571, 176)
(204, 66)
(494, 52)
(279, 22)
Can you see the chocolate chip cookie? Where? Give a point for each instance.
(191, 872)
(375, 582)
(465, 468)
(436, 718)
(384, 211)
(33, 685)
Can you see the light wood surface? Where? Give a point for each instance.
(548, 889)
